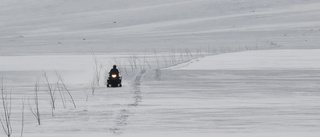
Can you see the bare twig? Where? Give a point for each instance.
(5, 119)
(97, 68)
(93, 86)
(87, 96)
(62, 96)
(35, 111)
(22, 118)
(155, 54)
(65, 87)
(51, 93)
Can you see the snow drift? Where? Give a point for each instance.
(260, 60)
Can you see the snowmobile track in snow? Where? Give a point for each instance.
(122, 116)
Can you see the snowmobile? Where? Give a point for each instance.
(114, 80)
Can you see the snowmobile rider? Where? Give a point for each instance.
(114, 70)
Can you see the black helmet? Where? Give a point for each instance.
(114, 66)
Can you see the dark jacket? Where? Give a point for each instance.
(114, 71)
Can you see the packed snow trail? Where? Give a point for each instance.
(122, 116)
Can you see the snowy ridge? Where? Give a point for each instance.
(112, 26)
(260, 60)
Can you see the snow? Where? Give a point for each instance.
(222, 68)
(233, 93)
(260, 60)
(33, 27)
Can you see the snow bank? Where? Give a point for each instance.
(259, 60)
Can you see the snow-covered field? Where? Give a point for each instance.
(75, 26)
(260, 60)
(224, 68)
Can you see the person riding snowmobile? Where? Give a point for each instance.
(114, 70)
(114, 79)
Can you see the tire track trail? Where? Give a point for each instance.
(122, 116)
